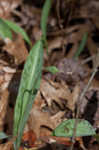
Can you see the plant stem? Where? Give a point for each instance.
(78, 108)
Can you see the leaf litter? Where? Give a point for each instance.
(58, 95)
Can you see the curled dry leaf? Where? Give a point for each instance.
(17, 49)
(54, 91)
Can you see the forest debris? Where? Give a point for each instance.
(75, 96)
(44, 122)
(7, 146)
(57, 118)
(6, 74)
(3, 108)
(7, 6)
(70, 71)
(55, 92)
(55, 43)
(17, 49)
(38, 119)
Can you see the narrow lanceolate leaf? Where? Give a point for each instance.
(66, 128)
(5, 31)
(18, 29)
(3, 135)
(44, 17)
(81, 46)
(30, 82)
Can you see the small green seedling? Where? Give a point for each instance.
(81, 46)
(52, 69)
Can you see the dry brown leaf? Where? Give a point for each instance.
(75, 96)
(6, 74)
(38, 119)
(54, 91)
(3, 107)
(57, 118)
(55, 43)
(17, 49)
(7, 146)
(7, 6)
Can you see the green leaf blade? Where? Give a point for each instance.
(82, 45)
(30, 81)
(5, 31)
(44, 17)
(52, 69)
(18, 29)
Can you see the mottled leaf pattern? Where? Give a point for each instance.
(66, 128)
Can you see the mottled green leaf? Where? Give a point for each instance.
(30, 82)
(5, 31)
(18, 29)
(66, 128)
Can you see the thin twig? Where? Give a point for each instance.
(88, 59)
(80, 99)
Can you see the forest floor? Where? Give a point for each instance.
(69, 21)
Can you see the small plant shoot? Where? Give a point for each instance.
(52, 69)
